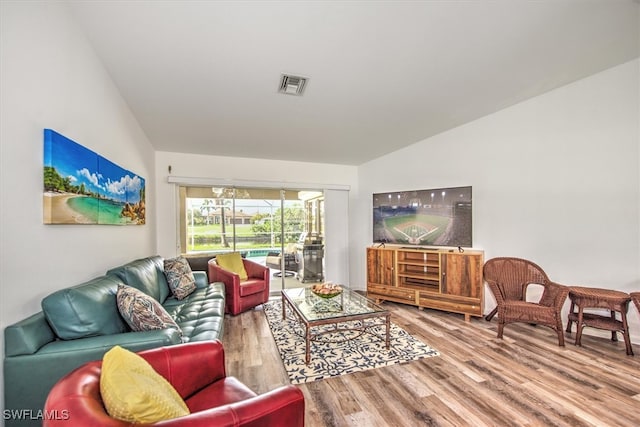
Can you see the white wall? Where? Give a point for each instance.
(238, 170)
(336, 224)
(50, 78)
(556, 179)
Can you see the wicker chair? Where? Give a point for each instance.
(635, 297)
(508, 279)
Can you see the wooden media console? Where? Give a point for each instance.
(442, 279)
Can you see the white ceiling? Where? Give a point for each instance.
(202, 76)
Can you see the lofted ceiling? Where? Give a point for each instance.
(202, 76)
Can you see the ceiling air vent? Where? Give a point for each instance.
(292, 85)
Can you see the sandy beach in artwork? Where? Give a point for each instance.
(57, 210)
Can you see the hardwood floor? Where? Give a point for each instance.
(478, 380)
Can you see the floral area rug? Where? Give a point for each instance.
(341, 351)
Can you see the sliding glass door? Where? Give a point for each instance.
(261, 223)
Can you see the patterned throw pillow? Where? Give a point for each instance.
(142, 312)
(179, 276)
(133, 391)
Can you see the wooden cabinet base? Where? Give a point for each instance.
(427, 278)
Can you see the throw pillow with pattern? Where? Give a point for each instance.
(142, 312)
(179, 276)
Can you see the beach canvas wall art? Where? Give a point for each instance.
(82, 187)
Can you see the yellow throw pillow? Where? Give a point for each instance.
(133, 391)
(232, 261)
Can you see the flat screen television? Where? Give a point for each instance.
(435, 217)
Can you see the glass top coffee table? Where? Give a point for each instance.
(342, 311)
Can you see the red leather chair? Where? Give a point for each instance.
(242, 295)
(197, 371)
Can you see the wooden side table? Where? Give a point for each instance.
(595, 298)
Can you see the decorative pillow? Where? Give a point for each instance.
(179, 276)
(142, 312)
(133, 391)
(232, 261)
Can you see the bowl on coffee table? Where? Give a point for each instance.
(326, 290)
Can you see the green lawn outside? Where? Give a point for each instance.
(217, 229)
(207, 238)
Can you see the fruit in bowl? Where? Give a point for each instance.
(326, 290)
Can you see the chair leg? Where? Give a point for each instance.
(489, 316)
(627, 344)
(560, 331)
(571, 311)
(500, 329)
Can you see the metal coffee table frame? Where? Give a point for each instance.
(301, 301)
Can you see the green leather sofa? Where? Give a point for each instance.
(81, 323)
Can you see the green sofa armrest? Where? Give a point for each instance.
(29, 378)
(27, 336)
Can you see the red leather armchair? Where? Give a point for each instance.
(197, 371)
(242, 295)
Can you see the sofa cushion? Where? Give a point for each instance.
(141, 312)
(232, 261)
(85, 310)
(133, 391)
(220, 393)
(179, 276)
(146, 274)
(251, 286)
(201, 314)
